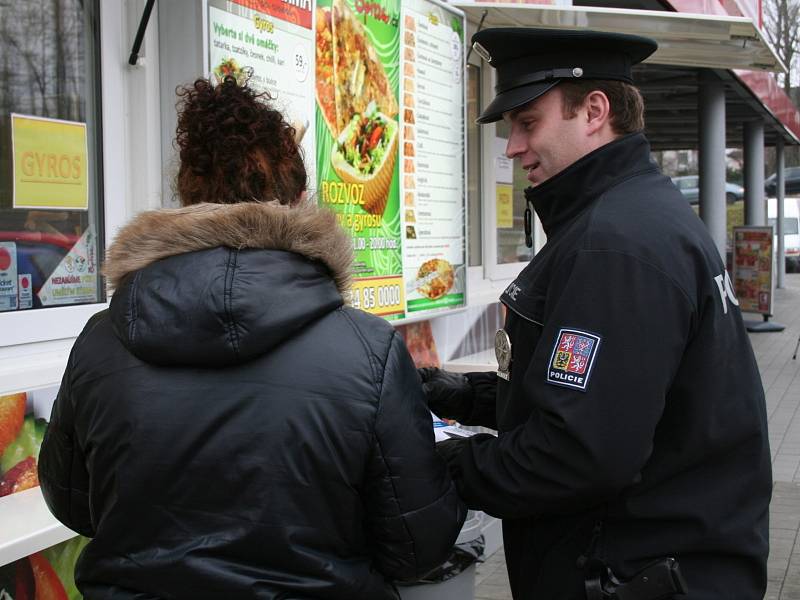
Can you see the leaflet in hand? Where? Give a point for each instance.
(442, 430)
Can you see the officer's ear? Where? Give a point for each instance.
(597, 112)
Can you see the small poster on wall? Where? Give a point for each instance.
(74, 280)
(8, 276)
(50, 162)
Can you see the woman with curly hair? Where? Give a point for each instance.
(229, 427)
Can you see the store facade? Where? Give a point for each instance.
(87, 144)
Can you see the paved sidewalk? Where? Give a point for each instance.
(491, 578)
(781, 378)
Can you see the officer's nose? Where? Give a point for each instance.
(515, 145)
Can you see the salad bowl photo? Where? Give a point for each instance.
(365, 154)
(228, 67)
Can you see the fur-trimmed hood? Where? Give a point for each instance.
(215, 284)
(306, 230)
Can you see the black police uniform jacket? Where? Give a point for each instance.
(228, 429)
(633, 424)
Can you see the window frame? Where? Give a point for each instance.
(58, 322)
(501, 271)
(479, 289)
(485, 282)
(35, 343)
(478, 64)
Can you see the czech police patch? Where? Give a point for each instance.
(572, 358)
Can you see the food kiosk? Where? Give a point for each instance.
(383, 95)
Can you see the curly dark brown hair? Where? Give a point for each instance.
(234, 147)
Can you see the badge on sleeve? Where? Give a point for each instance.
(572, 359)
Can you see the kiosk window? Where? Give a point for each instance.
(474, 164)
(511, 246)
(50, 193)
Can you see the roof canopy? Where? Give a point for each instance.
(670, 78)
(688, 40)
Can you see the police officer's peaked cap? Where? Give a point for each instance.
(531, 61)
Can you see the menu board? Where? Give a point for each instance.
(433, 185)
(752, 268)
(378, 89)
(271, 44)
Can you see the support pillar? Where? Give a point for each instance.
(755, 212)
(779, 196)
(711, 109)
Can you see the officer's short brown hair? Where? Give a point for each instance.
(627, 105)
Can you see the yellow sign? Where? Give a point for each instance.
(381, 296)
(505, 205)
(50, 163)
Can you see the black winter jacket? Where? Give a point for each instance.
(633, 424)
(228, 429)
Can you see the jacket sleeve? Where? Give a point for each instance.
(581, 446)
(484, 399)
(414, 513)
(63, 477)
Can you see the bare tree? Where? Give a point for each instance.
(782, 26)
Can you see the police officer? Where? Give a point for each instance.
(632, 459)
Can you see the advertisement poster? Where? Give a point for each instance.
(433, 171)
(22, 426)
(8, 276)
(25, 291)
(74, 280)
(49, 574)
(357, 72)
(50, 163)
(377, 89)
(272, 43)
(504, 209)
(752, 268)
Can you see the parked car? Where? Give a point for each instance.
(791, 178)
(689, 186)
(791, 230)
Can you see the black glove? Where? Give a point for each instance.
(450, 449)
(449, 395)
